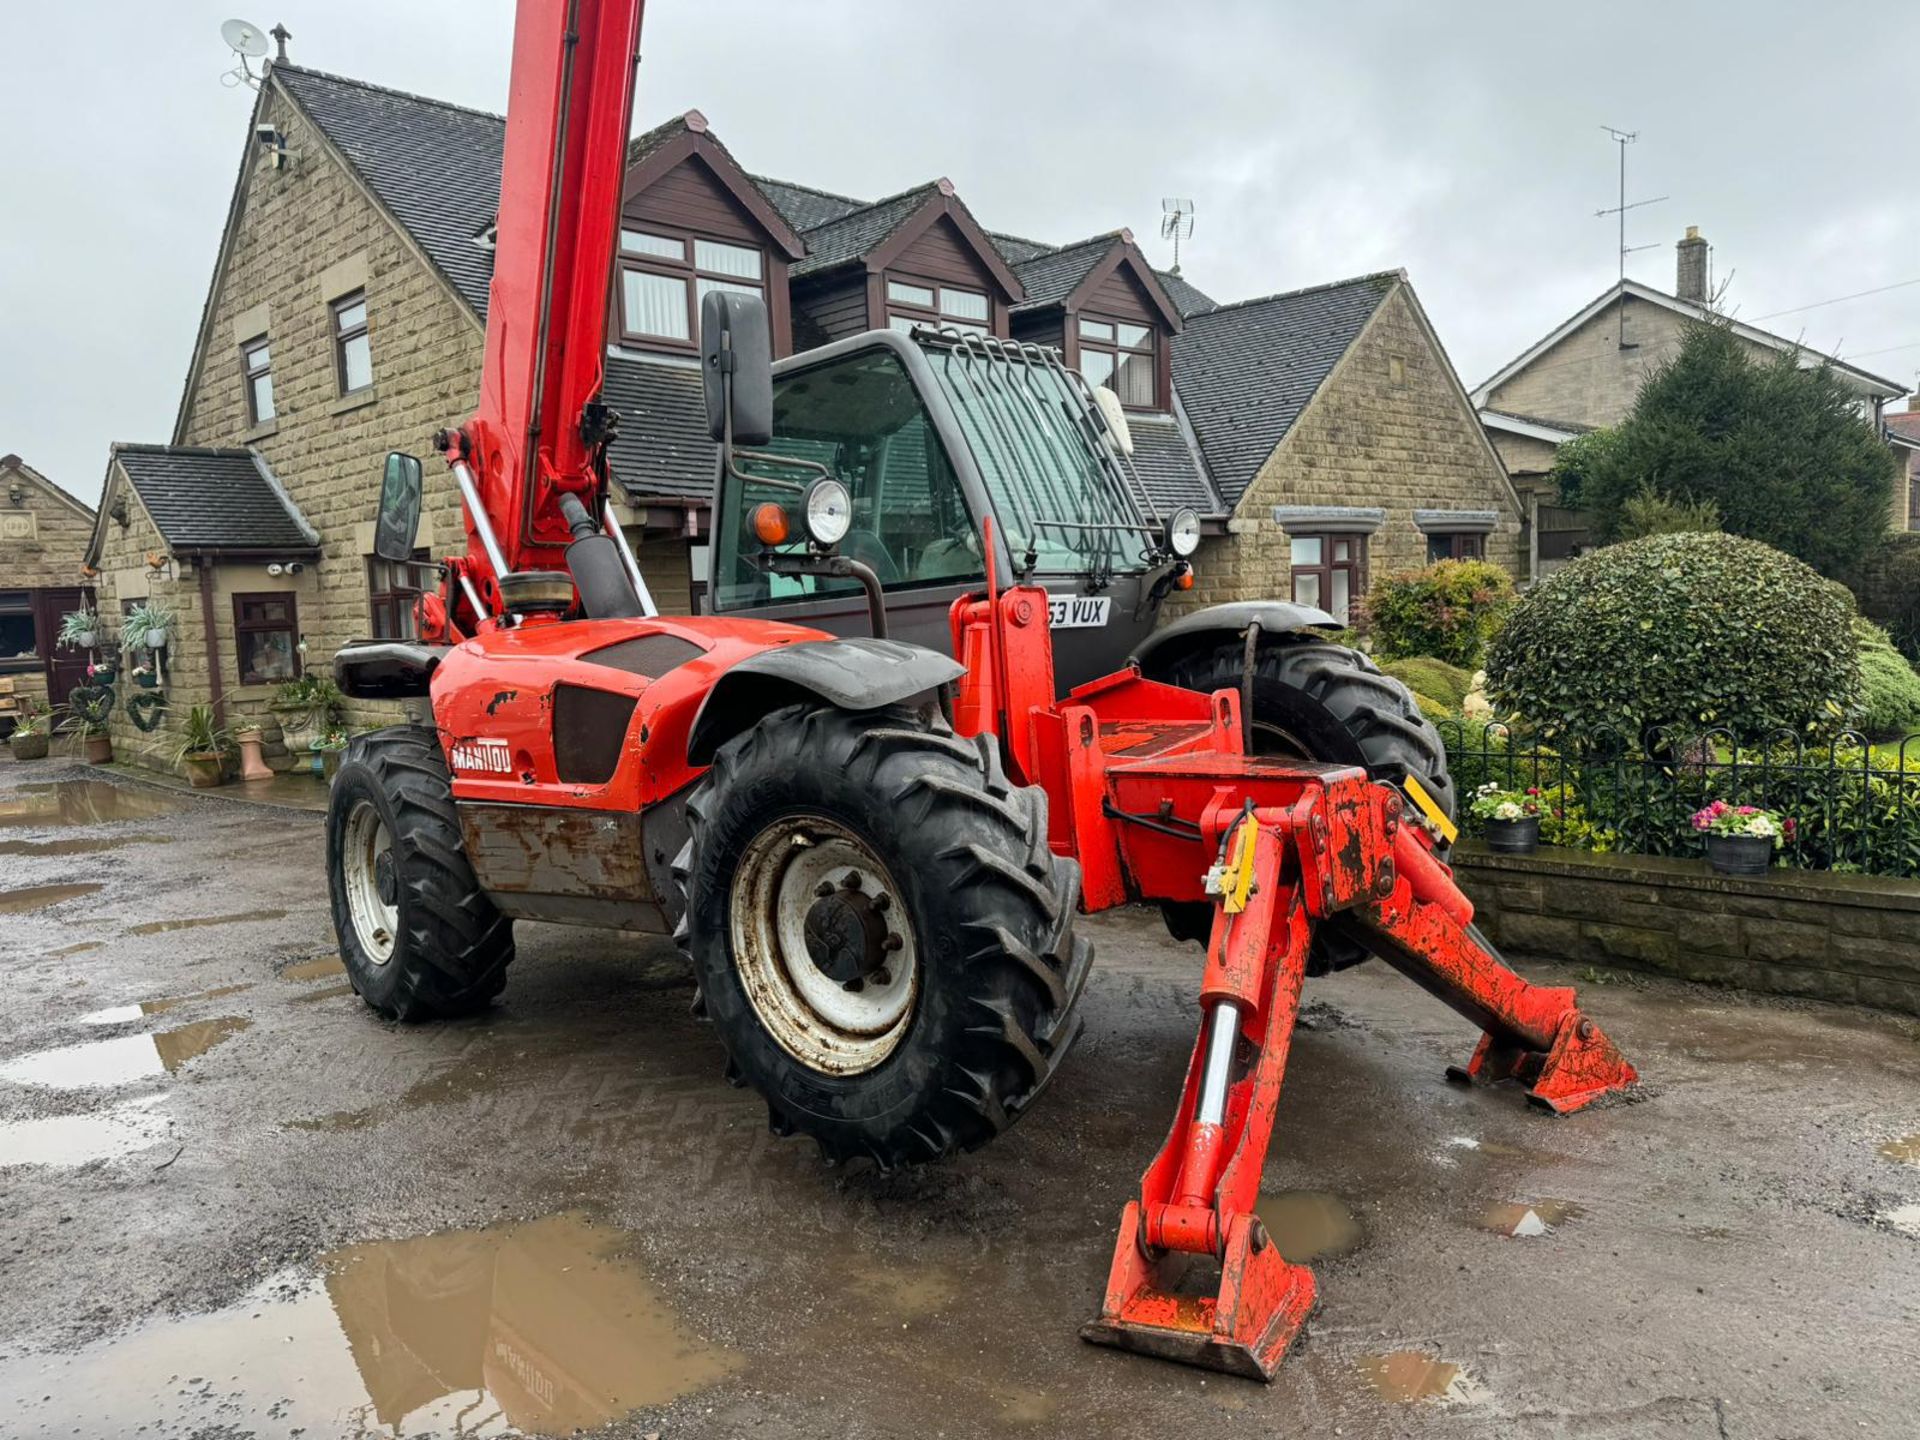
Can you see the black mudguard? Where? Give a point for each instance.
(1206, 627)
(857, 674)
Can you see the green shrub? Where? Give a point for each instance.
(1890, 690)
(1686, 632)
(1450, 610)
(1436, 679)
(1650, 513)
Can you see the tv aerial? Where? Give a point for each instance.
(1176, 224)
(247, 41)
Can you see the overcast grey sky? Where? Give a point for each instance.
(1461, 142)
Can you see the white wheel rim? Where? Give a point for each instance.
(375, 922)
(826, 1023)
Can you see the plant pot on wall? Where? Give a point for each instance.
(203, 771)
(1740, 854)
(1514, 837)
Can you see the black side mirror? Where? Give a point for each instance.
(736, 366)
(399, 523)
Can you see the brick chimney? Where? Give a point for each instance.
(1690, 279)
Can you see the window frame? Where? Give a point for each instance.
(398, 599)
(687, 270)
(250, 375)
(342, 337)
(24, 605)
(936, 315)
(242, 627)
(1355, 565)
(1114, 350)
(1456, 545)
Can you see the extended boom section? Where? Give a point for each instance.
(1154, 793)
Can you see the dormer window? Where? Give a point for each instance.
(664, 276)
(923, 303)
(1120, 356)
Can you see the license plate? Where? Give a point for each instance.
(1078, 612)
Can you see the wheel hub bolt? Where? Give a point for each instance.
(882, 900)
(855, 985)
(823, 889)
(852, 882)
(891, 943)
(882, 977)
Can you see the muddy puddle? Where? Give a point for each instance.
(1309, 1224)
(538, 1328)
(80, 948)
(1409, 1376)
(1529, 1220)
(1903, 1218)
(321, 967)
(1904, 1151)
(160, 927)
(81, 802)
(79, 846)
(69, 1140)
(123, 1014)
(39, 897)
(331, 992)
(122, 1060)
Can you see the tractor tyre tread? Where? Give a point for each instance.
(451, 954)
(1002, 964)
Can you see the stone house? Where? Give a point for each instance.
(43, 529)
(346, 318)
(1585, 372)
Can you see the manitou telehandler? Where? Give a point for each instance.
(874, 851)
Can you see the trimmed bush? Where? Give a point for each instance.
(1450, 610)
(1435, 679)
(1685, 632)
(1890, 690)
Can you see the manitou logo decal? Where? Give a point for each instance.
(1077, 612)
(493, 757)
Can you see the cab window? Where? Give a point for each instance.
(861, 418)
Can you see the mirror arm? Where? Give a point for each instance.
(840, 567)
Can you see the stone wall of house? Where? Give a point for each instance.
(1388, 429)
(309, 235)
(42, 539)
(1588, 378)
(1523, 455)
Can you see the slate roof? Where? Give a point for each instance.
(215, 499)
(1905, 424)
(1167, 466)
(662, 450)
(1245, 371)
(435, 166)
(846, 239)
(805, 207)
(1052, 275)
(1187, 299)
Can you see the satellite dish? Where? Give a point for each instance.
(244, 38)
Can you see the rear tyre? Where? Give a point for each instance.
(1317, 701)
(883, 939)
(418, 935)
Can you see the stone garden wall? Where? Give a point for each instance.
(1852, 938)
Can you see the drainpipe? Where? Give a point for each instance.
(216, 682)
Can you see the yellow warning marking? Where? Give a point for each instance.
(1438, 817)
(1239, 879)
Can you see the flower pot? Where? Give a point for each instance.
(99, 749)
(330, 763)
(298, 732)
(1514, 837)
(203, 771)
(1740, 854)
(28, 747)
(252, 766)
(85, 639)
(146, 679)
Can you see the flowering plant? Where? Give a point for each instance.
(1720, 818)
(1490, 802)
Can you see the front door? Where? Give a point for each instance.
(65, 667)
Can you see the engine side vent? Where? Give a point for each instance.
(649, 655)
(589, 730)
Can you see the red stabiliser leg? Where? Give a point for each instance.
(1197, 1198)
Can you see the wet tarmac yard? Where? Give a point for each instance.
(233, 1202)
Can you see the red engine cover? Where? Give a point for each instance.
(494, 702)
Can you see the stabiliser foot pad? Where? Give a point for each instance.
(1245, 1329)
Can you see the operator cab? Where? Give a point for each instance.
(944, 443)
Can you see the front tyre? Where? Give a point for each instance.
(417, 934)
(883, 939)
